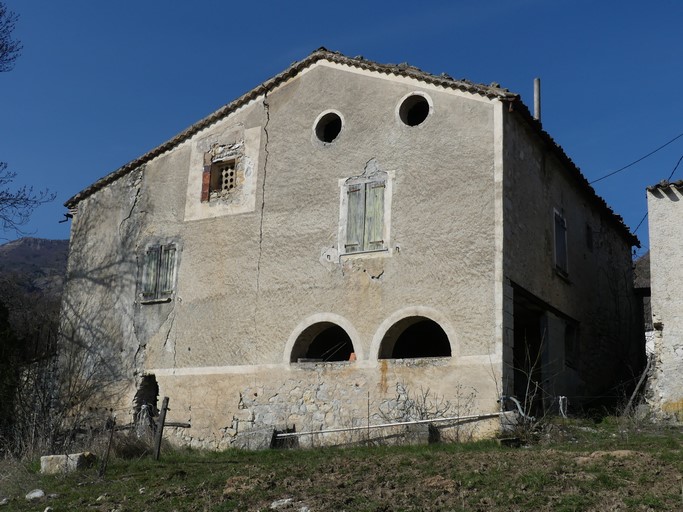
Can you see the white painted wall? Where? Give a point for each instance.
(665, 217)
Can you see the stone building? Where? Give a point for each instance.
(349, 243)
(665, 218)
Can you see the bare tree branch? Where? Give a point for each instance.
(17, 205)
(10, 48)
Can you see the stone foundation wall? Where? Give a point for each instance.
(243, 407)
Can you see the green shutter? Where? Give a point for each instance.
(355, 220)
(374, 216)
(167, 270)
(150, 272)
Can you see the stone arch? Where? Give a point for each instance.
(399, 335)
(325, 337)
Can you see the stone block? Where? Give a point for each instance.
(244, 415)
(35, 495)
(55, 464)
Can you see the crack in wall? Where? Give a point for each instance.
(136, 365)
(266, 154)
(136, 369)
(138, 186)
(167, 340)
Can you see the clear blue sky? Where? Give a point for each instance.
(101, 83)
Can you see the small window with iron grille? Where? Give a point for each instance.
(223, 176)
(223, 179)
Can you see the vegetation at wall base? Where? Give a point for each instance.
(577, 465)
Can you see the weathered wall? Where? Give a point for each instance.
(246, 403)
(665, 217)
(597, 290)
(251, 277)
(99, 351)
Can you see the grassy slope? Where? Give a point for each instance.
(578, 467)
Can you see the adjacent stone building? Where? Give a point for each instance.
(665, 217)
(349, 243)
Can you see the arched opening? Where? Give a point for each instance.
(323, 342)
(414, 337)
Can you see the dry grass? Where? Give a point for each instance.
(575, 466)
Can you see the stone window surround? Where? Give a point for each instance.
(224, 134)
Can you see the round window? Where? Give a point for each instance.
(328, 127)
(414, 110)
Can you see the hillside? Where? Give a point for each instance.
(36, 264)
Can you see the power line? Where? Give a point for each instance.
(676, 167)
(668, 179)
(641, 221)
(639, 160)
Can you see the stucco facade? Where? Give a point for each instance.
(342, 231)
(665, 218)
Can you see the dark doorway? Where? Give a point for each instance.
(528, 349)
(146, 396)
(322, 342)
(415, 337)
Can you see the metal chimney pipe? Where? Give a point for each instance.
(537, 99)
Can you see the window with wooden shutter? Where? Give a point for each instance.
(560, 243)
(166, 271)
(150, 273)
(373, 239)
(365, 216)
(158, 273)
(355, 220)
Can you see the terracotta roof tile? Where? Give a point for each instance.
(665, 184)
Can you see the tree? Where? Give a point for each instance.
(10, 48)
(16, 206)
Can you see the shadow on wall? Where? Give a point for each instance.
(98, 348)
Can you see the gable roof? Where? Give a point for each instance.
(493, 91)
